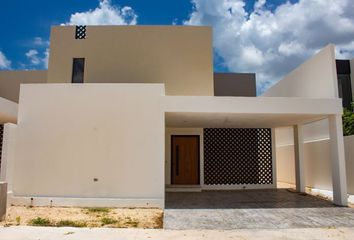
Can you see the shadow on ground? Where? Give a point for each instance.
(243, 199)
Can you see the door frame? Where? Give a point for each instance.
(169, 131)
(198, 151)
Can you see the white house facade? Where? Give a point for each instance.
(125, 113)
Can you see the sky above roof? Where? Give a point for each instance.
(268, 37)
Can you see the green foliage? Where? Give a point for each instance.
(69, 223)
(38, 221)
(348, 122)
(98, 210)
(18, 220)
(108, 221)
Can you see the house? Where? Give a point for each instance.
(125, 113)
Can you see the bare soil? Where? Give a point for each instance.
(84, 217)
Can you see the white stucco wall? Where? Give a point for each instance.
(68, 135)
(315, 78)
(317, 157)
(8, 154)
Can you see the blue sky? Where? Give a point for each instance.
(267, 37)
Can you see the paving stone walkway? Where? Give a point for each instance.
(252, 209)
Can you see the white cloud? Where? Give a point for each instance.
(105, 14)
(273, 42)
(32, 55)
(38, 41)
(45, 59)
(37, 59)
(4, 62)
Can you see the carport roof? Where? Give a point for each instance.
(245, 112)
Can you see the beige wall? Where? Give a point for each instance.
(10, 82)
(316, 78)
(112, 132)
(179, 56)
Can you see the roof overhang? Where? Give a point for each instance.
(246, 112)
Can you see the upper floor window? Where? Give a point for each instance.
(78, 70)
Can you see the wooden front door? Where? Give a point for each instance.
(185, 160)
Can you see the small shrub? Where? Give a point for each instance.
(108, 221)
(38, 221)
(131, 222)
(98, 210)
(18, 220)
(69, 223)
(348, 122)
(159, 221)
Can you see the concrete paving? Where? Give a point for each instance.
(49, 233)
(252, 209)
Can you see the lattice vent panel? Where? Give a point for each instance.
(80, 32)
(237, 156)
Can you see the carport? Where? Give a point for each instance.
(183, 114)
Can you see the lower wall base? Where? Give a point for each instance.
(86, 202)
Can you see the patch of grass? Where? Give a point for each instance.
(131, 222)
(38, 221)
(69, 223)
(68, 233)
(108, 221)
(159, 221)
(18, 220)
(98, 210)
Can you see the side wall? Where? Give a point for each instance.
(318, 171)
(316, 78)
(178, 56)
(10, 82)
(94, 145)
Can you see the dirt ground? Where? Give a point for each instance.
(84, 217)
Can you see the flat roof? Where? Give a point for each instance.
(246, 112)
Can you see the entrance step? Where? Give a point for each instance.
(183, 188)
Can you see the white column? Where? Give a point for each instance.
(339, 179)
(299, 159)
(274, 158)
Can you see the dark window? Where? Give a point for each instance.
(78, 70)
(344, 82)
(345, 90)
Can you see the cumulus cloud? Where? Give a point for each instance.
(272, 42)
(105, 14)
(36, 59)
(4, 62)
(38, 41)
(32, 55)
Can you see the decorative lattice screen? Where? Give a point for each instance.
(237, 156)
(1, 137)
(80, 32)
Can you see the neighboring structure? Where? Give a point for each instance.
(130, 111)
(345, 82)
